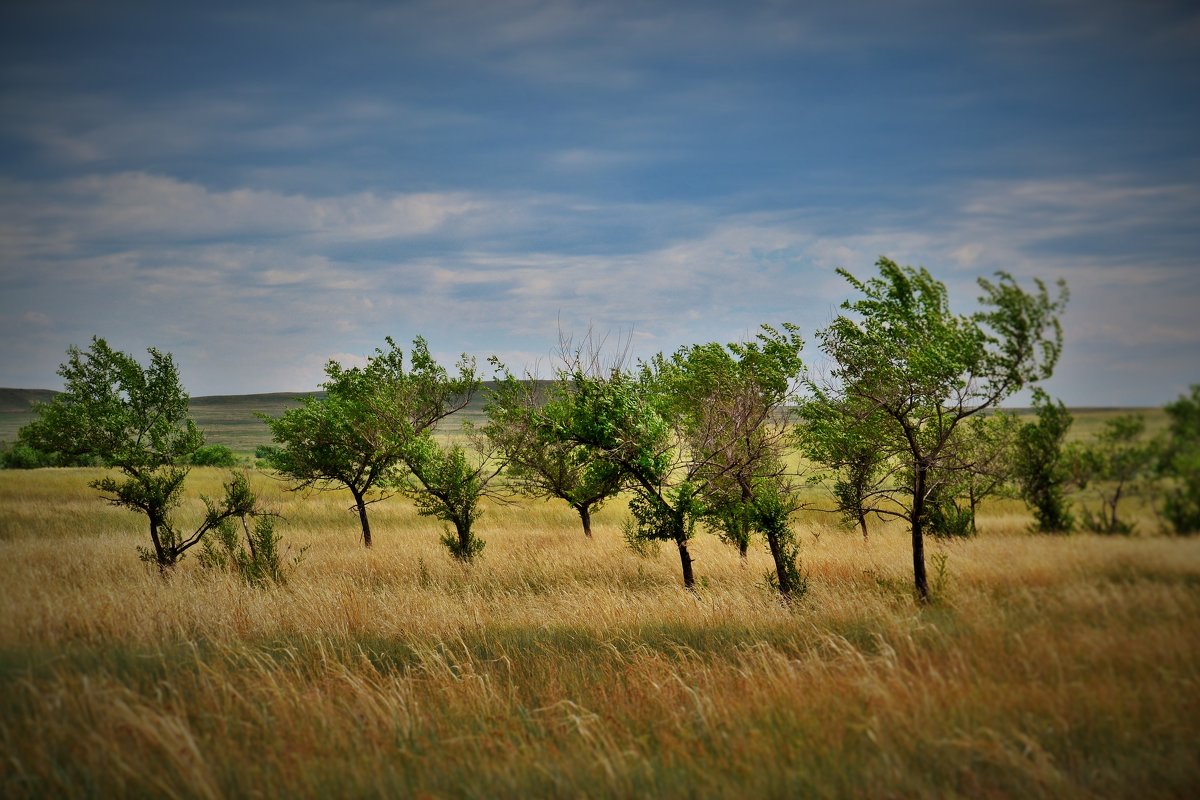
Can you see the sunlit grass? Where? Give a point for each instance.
(1049, 666)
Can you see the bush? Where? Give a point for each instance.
(257, 561)
(214, 455)
(24, 456)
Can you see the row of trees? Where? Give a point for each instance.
(698, 438)
(1120, 462)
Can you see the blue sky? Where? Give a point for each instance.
(260, 187)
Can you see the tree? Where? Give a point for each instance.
(355, 436)
(214, 455)
(447, 482)
(1179, 464)
(697, 435)
(1114, 465)
(731, 405)
(537, 464)
(627, 419)
(979, 463)
(134, 420)
(843, 439)
(1044, 466)
(925, 370)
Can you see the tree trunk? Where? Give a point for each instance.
(862, 524)
(782, 573)
(160, 555)
(585, 516)
(362, 516)
(918, 541)
(685, 560)
(464, 540)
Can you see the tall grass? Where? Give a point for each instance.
(1048, 667)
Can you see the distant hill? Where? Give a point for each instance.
(230, 419)
(18, 401)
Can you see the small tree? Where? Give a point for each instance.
(1044, 465)
(134, 420)
(1179, 464)
(627, 419)
(846, 442)
(447, 482)
(1115, 465)
(979, 464)
(925, 370)
(257, 558)
(537, 464)
(355, 436)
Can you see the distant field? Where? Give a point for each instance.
(230, 420)
(225, 419)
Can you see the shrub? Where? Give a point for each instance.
(214, 455)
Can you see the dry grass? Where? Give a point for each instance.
(1051, 666)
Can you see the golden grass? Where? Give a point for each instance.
(1050, 667)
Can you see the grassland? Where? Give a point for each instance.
(1048, 667)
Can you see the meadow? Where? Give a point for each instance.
(556, 666)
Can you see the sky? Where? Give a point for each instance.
(258, 188)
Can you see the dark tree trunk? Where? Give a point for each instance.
(918, 540)
(463, 529)
(585, 517)
(782, 573)
(862, 524)
(362, 516)
(685, 561)
(160, 554)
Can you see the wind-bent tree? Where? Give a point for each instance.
(134, 420)
(1115, 466)
(537, 464)
(690, 433)
(356, 434)
(1179, 464)
(627, 419)
(1044, 466)
(925, 370)
(731, 405)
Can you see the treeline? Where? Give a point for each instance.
(904, 425)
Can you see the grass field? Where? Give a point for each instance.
(225, 419)
(1048, 667)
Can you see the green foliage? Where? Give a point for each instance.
(1044, 466)
(357, 433)
(1179, 464)
(214, 455)
(21, 455)
(1114, 466)
(256, 558)
(859, 462)
(772, 510)
(447, 483)
(537, 463)
(913, 371)
(134, 420)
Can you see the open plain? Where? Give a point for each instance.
(1047, 667)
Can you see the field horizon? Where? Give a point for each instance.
(230, 419)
